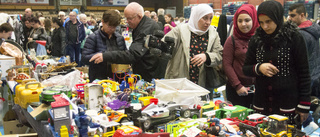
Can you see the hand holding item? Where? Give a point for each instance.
(97, 58)
(165, 25)
(243, 91)
(268, 69)
(30, 39)
(199, 59)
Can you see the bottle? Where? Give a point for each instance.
(33, 53)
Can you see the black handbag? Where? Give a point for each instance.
(215, 77)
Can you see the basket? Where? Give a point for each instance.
(119, 68)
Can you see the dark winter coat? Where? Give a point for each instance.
(37, 34)
(311, 35)
(143, 62)
(289, 89)
(58, 42)
(95, 43)
(81, 31)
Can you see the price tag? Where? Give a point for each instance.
(192, 132)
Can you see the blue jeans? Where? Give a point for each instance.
(74, 51)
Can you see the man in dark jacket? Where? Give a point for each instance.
(105, 39)
(311, 33)
(161, 16)
(75, 34)
(143, 62)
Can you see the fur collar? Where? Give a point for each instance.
(285, 33)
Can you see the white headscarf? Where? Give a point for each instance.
(197, 13)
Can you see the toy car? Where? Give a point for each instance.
(117, 104)
(278, 127)
(235, 111)
(127, 130)
(116, 116)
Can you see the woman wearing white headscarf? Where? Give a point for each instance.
(197, 46)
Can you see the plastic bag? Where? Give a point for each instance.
(181, 91)
(69, 79)
(41, 50)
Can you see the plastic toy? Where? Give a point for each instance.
(135, 96)
(116, 116)
(21, 76)
(83, 122)
(109, 128)
(127, 130)
(64, 131)
(80, 90)
(29, 95)
(125, 96)
(20, 87)
(315, 107)
(117, 104)
(113, 83)
(278, 127)
(154, 115)
(145, 100)
(46, 95)
(93, 99)
(235, 111)
(60, 113)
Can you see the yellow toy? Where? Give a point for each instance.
(29, 95)
(132, 80)
(114, 84)
(145, 100)
(277, 127)
(22, 86)
(64, 131)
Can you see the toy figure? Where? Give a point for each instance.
(218, 129)
(125, 96)
(83, 121)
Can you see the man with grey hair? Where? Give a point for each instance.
(62, 16)
(75, 34)
(161, 16)
(143, 62)
(147, 13)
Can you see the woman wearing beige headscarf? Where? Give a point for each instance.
(197, 46)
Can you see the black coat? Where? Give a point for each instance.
(58, 42)
(95, 43)
(142, 61)
(289, 89)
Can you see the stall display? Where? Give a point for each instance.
(56, 100)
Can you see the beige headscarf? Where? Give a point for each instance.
(197, 12)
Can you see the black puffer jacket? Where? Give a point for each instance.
(289, 89)
(58, 42)
(142, 61)
(95, 43)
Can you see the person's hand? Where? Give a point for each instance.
(97, 58)
(48, 51)
(268, 69)
(30, 39)
(165, 25)
(242, 91)
(199, 59)
(303, 116)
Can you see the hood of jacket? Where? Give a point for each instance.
(314, 30)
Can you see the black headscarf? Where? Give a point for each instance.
(274, 11)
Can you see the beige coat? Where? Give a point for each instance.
(178, 66)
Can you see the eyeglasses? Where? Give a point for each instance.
(131, 18)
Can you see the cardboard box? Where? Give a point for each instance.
(12, 126)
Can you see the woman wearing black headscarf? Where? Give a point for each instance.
(277, 57)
